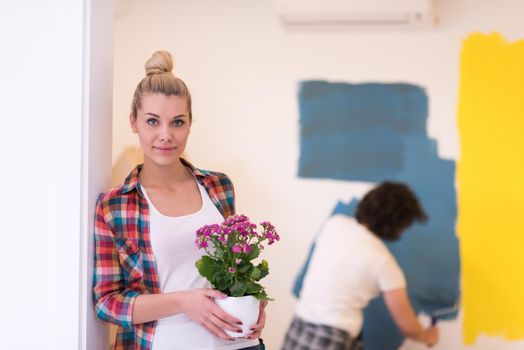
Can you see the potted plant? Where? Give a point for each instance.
(228, 265)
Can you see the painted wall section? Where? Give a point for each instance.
(376, 132)
(490, 173)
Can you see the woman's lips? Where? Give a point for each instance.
(165, 148)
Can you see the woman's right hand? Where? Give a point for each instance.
(199, 306)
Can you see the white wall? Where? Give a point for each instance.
(96, 154)
(46, 72)
(243, 69)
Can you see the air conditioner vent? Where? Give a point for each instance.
(357, 13)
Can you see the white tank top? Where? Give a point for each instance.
(172, 241)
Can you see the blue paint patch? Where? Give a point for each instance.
(354, 132)
(377, 132)
(346, 209)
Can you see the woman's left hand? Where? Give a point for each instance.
(257, 328)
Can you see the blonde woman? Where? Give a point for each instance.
(145, 280)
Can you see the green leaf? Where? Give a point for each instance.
(253, 288)
(262, 296)
(264, 269)
(245, 268)
(255, 273)
(208, 268)
(253, 254)
(221, 282)
(238, 289)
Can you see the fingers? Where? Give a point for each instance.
(217, 321)
(221, 318)
(212, 293)
(225, 316)
(211, 327)
(254, 335)
(215, 309)
(221, 323)
(257, 328)
(202, 309)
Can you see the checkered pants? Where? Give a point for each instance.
(303, 335)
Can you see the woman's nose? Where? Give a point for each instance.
(165, 134)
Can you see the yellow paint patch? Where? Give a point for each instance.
(490, 177)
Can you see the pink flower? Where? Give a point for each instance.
(230, 221)
(233, 243)
(272, 237)
(201, 242)
(269, 232)
(208, 230)
(267, 226)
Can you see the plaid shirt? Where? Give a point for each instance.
(124, 262)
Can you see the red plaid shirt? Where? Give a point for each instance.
(124, 261)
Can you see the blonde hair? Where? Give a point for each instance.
(160, 79)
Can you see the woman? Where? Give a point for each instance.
(145, 280)
(349, 267)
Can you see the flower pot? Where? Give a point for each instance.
(244, 308)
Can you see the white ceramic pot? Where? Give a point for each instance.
(245, 308)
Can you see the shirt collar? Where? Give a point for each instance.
(131, 181)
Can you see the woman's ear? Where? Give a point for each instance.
(132, 122)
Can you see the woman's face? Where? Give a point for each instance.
(162, 124)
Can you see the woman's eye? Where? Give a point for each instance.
(152, 121)
(178, 122)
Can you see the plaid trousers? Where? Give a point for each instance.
(303, 335)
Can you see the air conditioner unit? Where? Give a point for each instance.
(357, 13)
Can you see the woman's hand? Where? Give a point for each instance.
(257, 328)
(199, 306)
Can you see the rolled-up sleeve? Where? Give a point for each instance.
(113, 301)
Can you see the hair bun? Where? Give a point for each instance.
(159, 63)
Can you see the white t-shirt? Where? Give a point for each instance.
(173, 244)
(349, 267)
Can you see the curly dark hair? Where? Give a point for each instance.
(388, 209)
